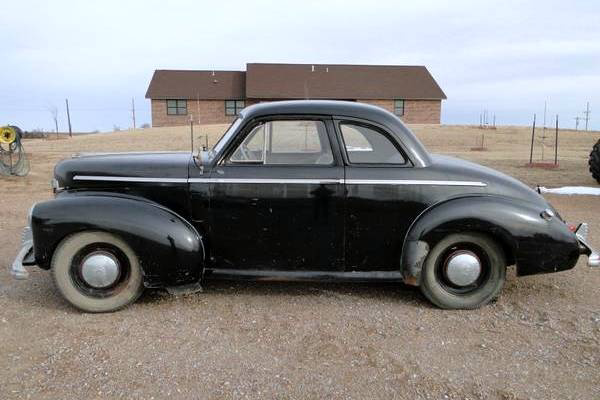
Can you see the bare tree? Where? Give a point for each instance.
(53, 110)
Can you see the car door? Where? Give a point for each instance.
(379, 206)
(277, 197)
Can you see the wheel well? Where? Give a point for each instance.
(498, 236)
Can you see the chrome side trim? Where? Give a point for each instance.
(412, 182)
(128, 179)
(126, 153)
(308, 275)
(267, 180)
(280, 181)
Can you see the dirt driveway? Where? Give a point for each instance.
(540, 340)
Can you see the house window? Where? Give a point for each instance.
(176, 107)
(233, 107)
(399, 107)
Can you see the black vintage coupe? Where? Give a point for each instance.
(308, 190)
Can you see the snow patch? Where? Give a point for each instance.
(572, 190)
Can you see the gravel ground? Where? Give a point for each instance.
(539, 340)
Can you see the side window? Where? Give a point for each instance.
(251, 150)
(367, 145)
(300, 142)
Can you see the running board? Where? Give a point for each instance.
(275, 275)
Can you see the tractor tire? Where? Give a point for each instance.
(594, 162)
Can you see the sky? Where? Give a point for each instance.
(507, 57)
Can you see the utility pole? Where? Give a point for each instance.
(545, 107)
(69, 118)
(532, 139)
(556, 143)
(577, 123)
(133, 112)
(544, 130)
(587, 115)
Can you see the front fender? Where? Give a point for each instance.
(532, 243)
(169, 249)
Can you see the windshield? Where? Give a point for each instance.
(218, 147)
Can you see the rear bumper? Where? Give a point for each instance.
(24, 256)
(593, 256)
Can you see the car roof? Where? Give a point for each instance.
(340, 108)
(318, 107)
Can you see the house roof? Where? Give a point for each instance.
(298, 81)
(209, 85)
(334, 81)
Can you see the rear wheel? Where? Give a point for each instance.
(463, 271)
(594, 162)
(97, 272)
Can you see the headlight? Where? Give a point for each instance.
(547, 214)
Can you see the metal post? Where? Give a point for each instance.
(133, 112)
(556, 142)
(69, 118)
(532, 138)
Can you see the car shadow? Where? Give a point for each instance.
(40, 292)
(399, 292)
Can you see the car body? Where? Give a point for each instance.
(315, 190)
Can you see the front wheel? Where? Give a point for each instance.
(463, 271)
(97, 272)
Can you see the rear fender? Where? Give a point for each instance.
(170, 250)
(534, 244)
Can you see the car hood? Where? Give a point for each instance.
(497, 182)
(160, 165)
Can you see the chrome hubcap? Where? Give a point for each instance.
(100, 269)
(463, 268)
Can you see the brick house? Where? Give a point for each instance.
(216, 97)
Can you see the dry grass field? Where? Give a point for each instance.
(539, 340)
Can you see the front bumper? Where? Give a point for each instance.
(593, 256)
(24, 256)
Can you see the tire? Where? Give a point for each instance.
(70, 260)
(594, 161)
(442, 292)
